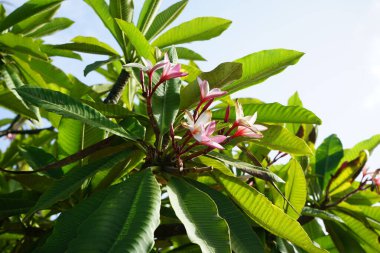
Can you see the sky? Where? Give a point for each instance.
(338, 78)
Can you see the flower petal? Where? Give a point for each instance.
(218, 138)
(210, 128)
(204, 118)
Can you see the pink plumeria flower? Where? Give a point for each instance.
(203, 128)
(171, 71)
(10, 136)
(206, 93)
(247, 132)
(147, 65)
(247, 121)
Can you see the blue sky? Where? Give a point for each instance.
(338, 78)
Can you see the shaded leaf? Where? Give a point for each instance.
(17, 43)
(88, 45)
(124, 215)
(199, 214)
(17, 202)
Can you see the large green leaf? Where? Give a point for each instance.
(137, 39)
(70, 139)
(36, 20)
(253, 170)
(295, 189)
(88, 45)
(51, 50)
(342, 237)
(147, 14)
(368, 144)
(327, 158)
(243, 237)
(274, 113)
(102, 10)
(219, 77)
(165, 18)
(188, 54)
(372, 212)
(203, 28)
(27, 10)
(17, 202)
(262, 211)
(69, 107)
(63, 188)
(257, 67)
(325, 215)
(347, 173)
(18, 43)
(15, 101)
(51, 27)
(199, 213)
(367, 238)
(166, 99)
(124, 217)
(122, 9)
(95, 65)
(279, 138)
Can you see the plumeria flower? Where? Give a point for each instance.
(147, 65)
(247, 121)
(206, 93)
(171, 71)
(203, 128)
(247, 132)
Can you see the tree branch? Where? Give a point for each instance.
(117, 89)
(22, 132)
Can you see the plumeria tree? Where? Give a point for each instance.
(162, 158)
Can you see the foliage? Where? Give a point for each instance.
(162, 159)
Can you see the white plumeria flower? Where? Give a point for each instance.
(247, 121)
(206, 93)
(148, 67)
(203, 128)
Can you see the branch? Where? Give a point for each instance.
(23, 132)
(117, 89)
(70, 159)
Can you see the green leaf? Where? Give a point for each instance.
(54, 25)
(33, 22)
(367, 238)
(274, 113)
(295, 189)
(199, 213)
(343, 239)
(257, 67)
(122, 9)
(95, 65)
(59, 103)
(166, 99)
(69, 140)
(147, 14)
(27, 10)
(256, 171)
(327, 158)
(16, 203)
(89, 45)
(369, 144)
(188, 54)
(63, 188)
(37, 158)
(279, 138)
(124, 215)
(165, 18)
(51, 50)
(14, 100)
(243, 237)
(263, 212)
(17, 43)
(219, 77)
(347, 173)
(325, 215)
(112, 110)
(372, 212)
(102, 10)
(137, 39)
(202, 28)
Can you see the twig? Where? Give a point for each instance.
(70, 159)
(23, 132)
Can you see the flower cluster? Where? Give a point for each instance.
(202, 127)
